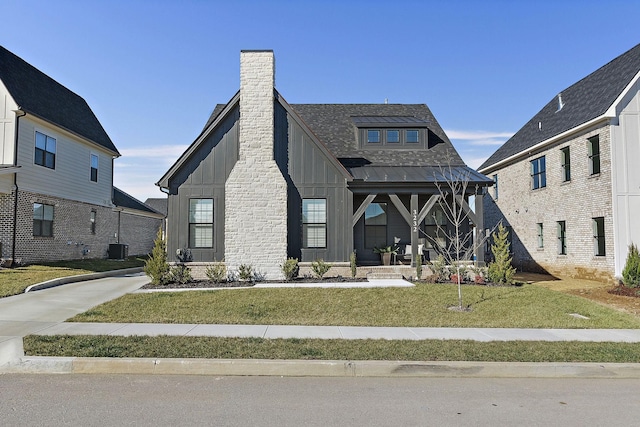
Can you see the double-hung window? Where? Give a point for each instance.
(45, 153)
(593, 146)
(598, 237)
(565, 163)
(201, 223)
(562, 237)
(42, 220)
(94, 168)
(314, 223)
(538, 173)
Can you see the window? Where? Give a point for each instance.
(495, 187)
(45, 151)
(412, 136)
(201, 223)
(562, 238)
(540, 228)
(373, 136)
(393, 135)
(565, 162)
(538, 173)
(594, 155)
(94, 168)
(92, 220)
(598, 236)
(375, 225)
(314, 223)
(42, 220)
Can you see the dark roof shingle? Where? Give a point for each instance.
(124, 200)
(39, 94)
(585, 100)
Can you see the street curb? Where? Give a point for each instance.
(81, 278)
(321, 368)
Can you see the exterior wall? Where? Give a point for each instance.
(576, 202)
(310, 173)
(138, 232)
(625, 137)
(7, 126)
(71, 177)
(6, 224)
(256, 192)
(72, 237)
(204, 175)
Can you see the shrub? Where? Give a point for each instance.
(418, 266)
(440, 269)
(500, 270)
(217, 272)
(290, 269)
(245, 272)
(320, 268)
(631, 270)
(156, 267)
(180, 274)
(352, 264)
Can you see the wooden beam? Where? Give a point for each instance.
(401, 208)
(363, 207)
(427, 207)
(463, 204)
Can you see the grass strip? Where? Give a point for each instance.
(14, 281)
(527, 306)
(318, 349)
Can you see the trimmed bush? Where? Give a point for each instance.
(631, 270)
(500, 270)
(156, 267)
(290, 269)
(352, 264)
(180, 274)
(217, 272)
(320, 268)
(245, 273)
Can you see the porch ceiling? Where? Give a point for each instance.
(417, 174)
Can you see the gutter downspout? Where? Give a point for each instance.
(15, 185)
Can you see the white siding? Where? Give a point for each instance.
(7, 126)
(625, 152)
(71, 177)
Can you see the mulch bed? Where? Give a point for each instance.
(209, 284)
(625, 291)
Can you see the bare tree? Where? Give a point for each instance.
(455, 238)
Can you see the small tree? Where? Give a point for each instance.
(353, 264)
(418, 266)
(156, 267)
(217, 272)
(631, 271)
(290, 269)
(500, 270)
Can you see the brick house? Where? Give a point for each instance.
(56, 171)
(567, 183)
(267, 180)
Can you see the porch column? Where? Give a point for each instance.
(414, 228)
(478, 236)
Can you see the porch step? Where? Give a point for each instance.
(384, 275)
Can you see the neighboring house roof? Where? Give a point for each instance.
(584, 101)
(159, 204)
(40, 95)
(130, 203)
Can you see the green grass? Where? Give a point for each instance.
(316, 349)
(14, 281)
(527, 306)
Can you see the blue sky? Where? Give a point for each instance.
(152, 71)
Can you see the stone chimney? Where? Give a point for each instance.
(256, 192)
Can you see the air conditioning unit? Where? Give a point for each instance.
(118, 251)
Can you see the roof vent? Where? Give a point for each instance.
(560, 103)
(539, 125)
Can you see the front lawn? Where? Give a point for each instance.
(14, 281)
(317, 349)
(527, 306)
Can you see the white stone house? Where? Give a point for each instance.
(568, 182)
(267, 180)
(56, 171)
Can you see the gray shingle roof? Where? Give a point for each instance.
(39, 94)
(159, 204)
(585, 100)
(124, 200)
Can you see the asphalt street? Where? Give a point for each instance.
(141, 400)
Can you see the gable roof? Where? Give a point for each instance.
(130, 203)
(583, 102)
(40, 95)
(157, 203)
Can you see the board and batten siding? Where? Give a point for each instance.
(203, 175)
(7, 126)
(71, 178)
(310, 173)
(625, 152)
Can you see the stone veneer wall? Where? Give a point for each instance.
(72, 236)
(256, 192)
(576, 202)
